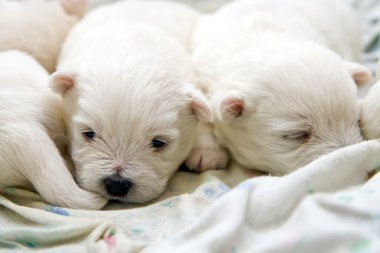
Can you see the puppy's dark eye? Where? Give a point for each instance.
(299, 136)
(89, 135)
(158, 144)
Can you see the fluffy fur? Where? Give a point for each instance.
(32, 137)
(124, 75)
(280, 95)
(38, 27)
(370, 108)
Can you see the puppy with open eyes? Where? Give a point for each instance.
(32, 135)
(131, 112)
(279, 89)
(38, 27)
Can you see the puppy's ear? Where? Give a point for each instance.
(231, 106)
(359, 73)
(75, 8)
(61, 82)
(199, 105)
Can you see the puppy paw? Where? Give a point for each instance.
(87, 201)
(207, 158)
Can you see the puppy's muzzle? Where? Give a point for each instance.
(117, 187)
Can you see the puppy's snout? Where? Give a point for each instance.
(117, 187)
(118, 169)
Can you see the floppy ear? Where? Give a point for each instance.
(359, 73)
(75, 8)
(231, 106)
(199, 105)
(61, 82)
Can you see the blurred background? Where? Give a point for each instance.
(202, 5)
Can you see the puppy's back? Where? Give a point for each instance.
(330, 23)
(24, 93)
(38, 27)
(175, 20)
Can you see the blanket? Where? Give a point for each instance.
(26, 222)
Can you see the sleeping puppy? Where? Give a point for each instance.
(130, 109)
(32, 137)
(280, 95)
(41, 29)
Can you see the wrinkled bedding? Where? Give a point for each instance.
(208, 212)
(26, 222)
(200, 213)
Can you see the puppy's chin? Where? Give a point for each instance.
(140, 188)
(137, 194)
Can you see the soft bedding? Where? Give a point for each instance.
(26, 222)
(262, 214)
(206, 212)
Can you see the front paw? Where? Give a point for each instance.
(88, 201)
(207, 158)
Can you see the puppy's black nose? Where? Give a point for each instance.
(117, 187)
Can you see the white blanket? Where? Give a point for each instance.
(269, 214)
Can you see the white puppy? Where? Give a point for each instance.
(32, 136)
(38, 27)
(370, 109)
(131, 113)
(280, 96)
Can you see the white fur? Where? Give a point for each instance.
(32, 137)
(206, 154)
(281, 97)
(124, 73)
(38, 27)
(370, 111)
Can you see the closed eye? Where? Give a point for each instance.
(298, 136)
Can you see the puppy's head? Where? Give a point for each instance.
(283, 109)
(129, 131)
